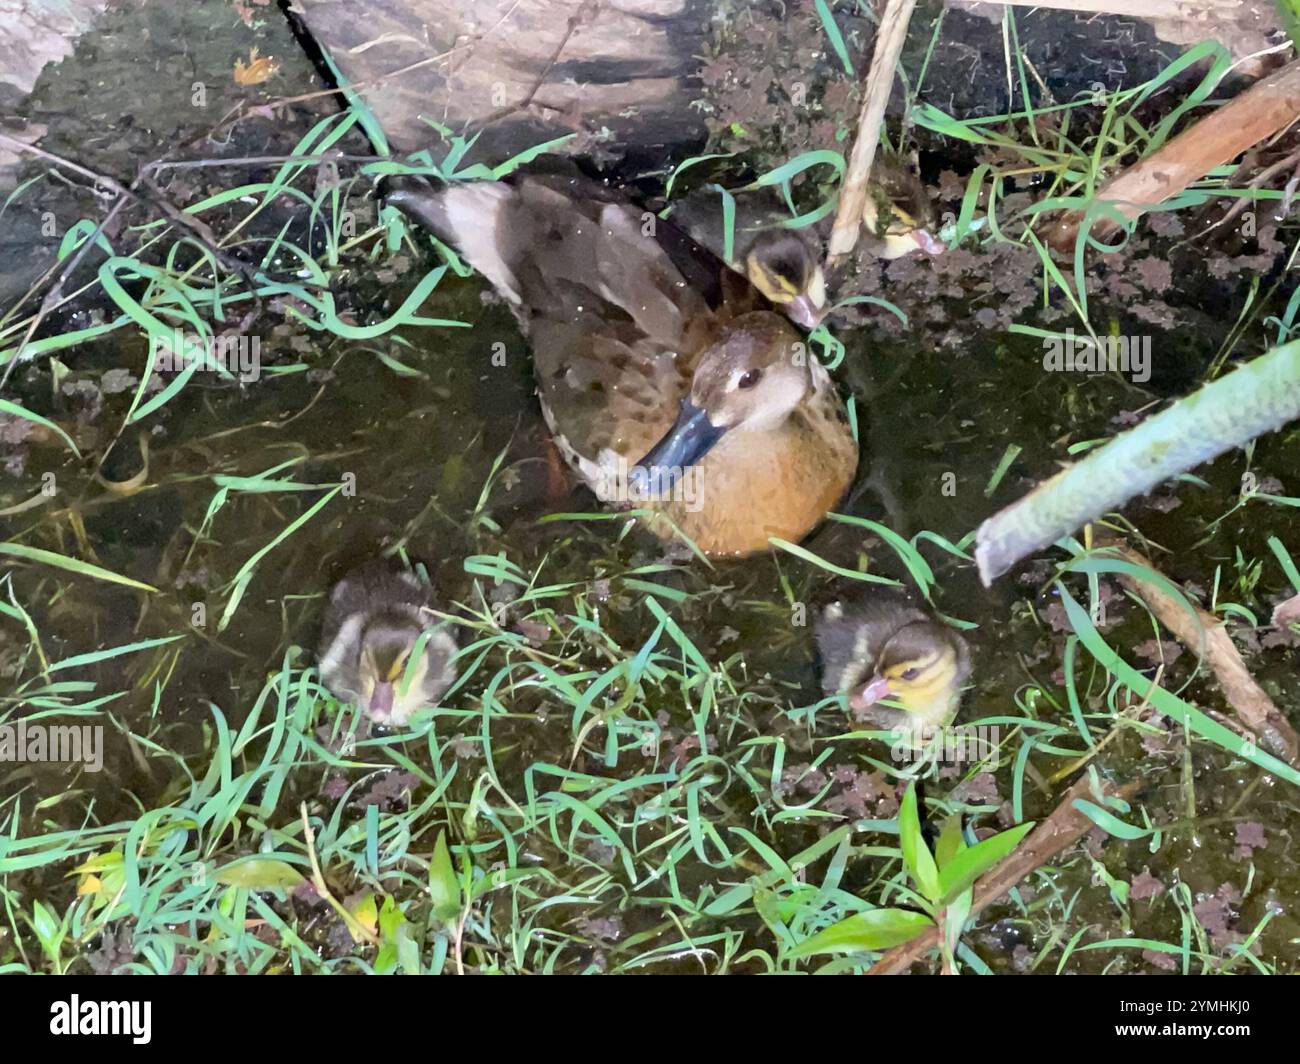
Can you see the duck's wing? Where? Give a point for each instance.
(608, 393)
(615, 316)
(599, 261)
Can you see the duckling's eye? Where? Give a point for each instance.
(911, 674)
(749, 378)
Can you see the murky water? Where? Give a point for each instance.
(420, 445)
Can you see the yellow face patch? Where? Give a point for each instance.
(902, 216)
(775, 287)
(912, 671)
(397, 668)
(923, 683)
(376, 675)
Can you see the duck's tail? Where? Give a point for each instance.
(467, 215)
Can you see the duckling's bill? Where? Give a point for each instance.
(782, 266)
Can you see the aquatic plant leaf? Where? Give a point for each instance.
(261, 873)
(112, 652)
(1108, 822)
(72, 565)
(950, 842)
(830, 567)
(7, 407)
(916, 855)
(875, 929)
(48, 930)
(1167, 702)
(444, 884)
(836, 38)
(528, 155)
(686, 164)
(782, 174)
(969, 864)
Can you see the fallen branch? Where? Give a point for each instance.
(880, 81)
(1205, 636)
(1268, 106)
(1062, 827)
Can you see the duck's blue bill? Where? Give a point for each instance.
(690, 439)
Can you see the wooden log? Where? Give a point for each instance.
(1266, 107)
(520, 71)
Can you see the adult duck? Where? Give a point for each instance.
(667, 380)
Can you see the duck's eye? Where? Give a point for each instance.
(911, 674)
(749, 378)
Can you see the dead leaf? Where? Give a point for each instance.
(258, 70)
(1287, 612)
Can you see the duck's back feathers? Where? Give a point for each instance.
(564, 248)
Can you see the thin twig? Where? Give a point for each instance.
(55, 294)
(355, 928)
(1205, 636)
(880, 82)
(195, 228)
(584, 11)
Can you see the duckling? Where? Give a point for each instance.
(896, 194)
(789, 258)
(374, 619)
(736, 427)
(883, 646)
(781, 263)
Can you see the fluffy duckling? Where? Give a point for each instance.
(782, 264)
(647, 356)
(374, 619)
(896, 195)
(884, 647)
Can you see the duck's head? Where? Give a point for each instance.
(751, 379)
(391, 685)
(898, 210)
(921, 667)
(782, 264)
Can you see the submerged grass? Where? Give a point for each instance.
(620, 780)
(582, 801)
